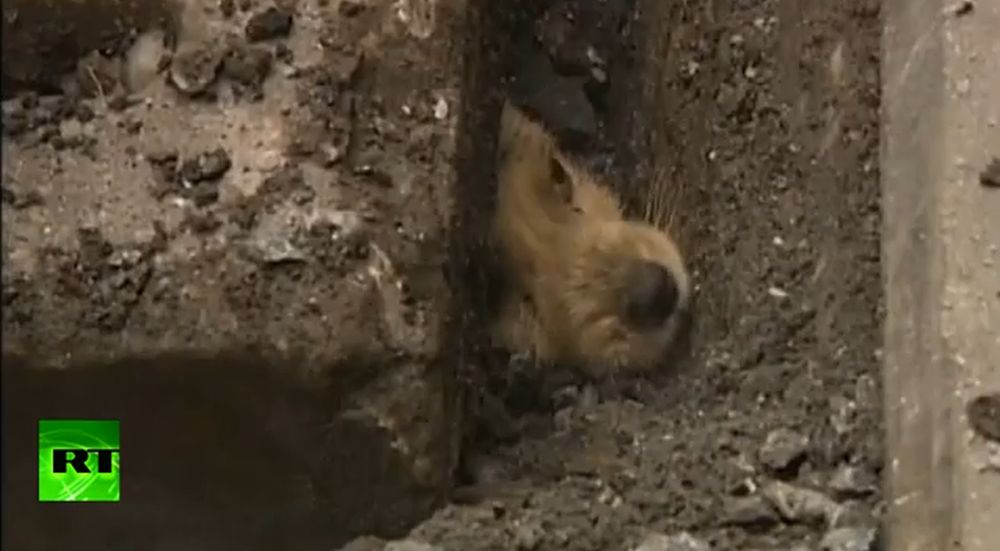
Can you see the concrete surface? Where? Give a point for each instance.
(332, 364)
(941, 107)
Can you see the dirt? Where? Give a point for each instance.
(763, 117)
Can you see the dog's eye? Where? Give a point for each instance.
(651, 295)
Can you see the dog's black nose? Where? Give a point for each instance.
(651, 295)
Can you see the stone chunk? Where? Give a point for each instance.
(783, 450)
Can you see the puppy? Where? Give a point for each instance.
(589, 288)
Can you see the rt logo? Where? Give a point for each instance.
(78, 460)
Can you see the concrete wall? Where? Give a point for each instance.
(941, 106)
(277, 343)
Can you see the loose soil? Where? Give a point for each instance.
(761, 117)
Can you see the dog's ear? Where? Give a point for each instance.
(531, 164)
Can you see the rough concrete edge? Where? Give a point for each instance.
(936, 136)
(374, 415)
(86, 20)
(970, 220)
(917, 475)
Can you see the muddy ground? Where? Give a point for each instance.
(762, 119)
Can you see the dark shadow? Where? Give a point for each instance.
(492, 28)
(217, 452)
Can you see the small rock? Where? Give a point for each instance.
(202, 194)
(783, 450)
(750, 511)
(990, 177)
(682, 541)
(853, 481)
(71, 129)
(330, 154)
(275, 250)
(247, 68)
(849, 539)
(441, 109)
(199, 176)
(271, 23)
(72, 133)
(984, 411)
(800, 504)
(195, 68)
(207, 166)
(341, 223)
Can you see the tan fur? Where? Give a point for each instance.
(567, 258)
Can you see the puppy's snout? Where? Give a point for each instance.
(651, 295)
